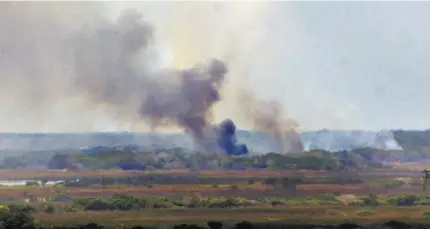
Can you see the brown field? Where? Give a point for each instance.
(43, 173)
(416, 166)
(249, 191)
(399, 169)
(244, 189)
(319, 213)
(296, 214)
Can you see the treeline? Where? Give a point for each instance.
(416, 147)
(413, 140)
(149, 180)
(111, 158)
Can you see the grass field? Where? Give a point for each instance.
(300, 207)
(32, 174)
(293, 214)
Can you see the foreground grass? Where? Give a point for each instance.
(290, 214)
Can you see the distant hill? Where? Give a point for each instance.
(330, 140)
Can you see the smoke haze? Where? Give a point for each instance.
(75, 66)
(270, 117)
(107, 66)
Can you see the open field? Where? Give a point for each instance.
(59, 174)
(10, 174)
(299, 204)
(296, 214)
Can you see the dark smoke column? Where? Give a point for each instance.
(189, 105)
(227, 139)
(104, 66)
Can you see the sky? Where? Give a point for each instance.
(332, 65)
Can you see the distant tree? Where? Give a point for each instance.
(288, 183)
(49, 208)
(234, 187)
(371, 200)
(271, 181)
(32, 183)
(62, 161)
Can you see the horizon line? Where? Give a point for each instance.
(180, 132)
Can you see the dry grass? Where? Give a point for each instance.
(399, 170)
(330, 187)
(7, 174)
(325, 214)
(315, 214)
(245, 190)
(42, 173)
(415, 166)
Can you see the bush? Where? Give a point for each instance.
(22, 208)
(406, 200)
(234, 187)
(371, 200)
(98, 205)
(32, 184)
(277, 203)
(14, 218)
(49, 208)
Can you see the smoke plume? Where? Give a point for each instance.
(269, 116)
(108, 66)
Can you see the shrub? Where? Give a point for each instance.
(406, 200)
(277, 203)
(234, 187)
(22, 208)
(148, 185)
(371, 200)
(49, 208)
(13, 218)
(98, 205)
(32, 184)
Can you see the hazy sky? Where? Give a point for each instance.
(334, 65)
(343, 65)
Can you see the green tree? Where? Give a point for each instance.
(14, 218)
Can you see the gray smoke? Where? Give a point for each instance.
(333, 140)
(107, 65)
(270, 117)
